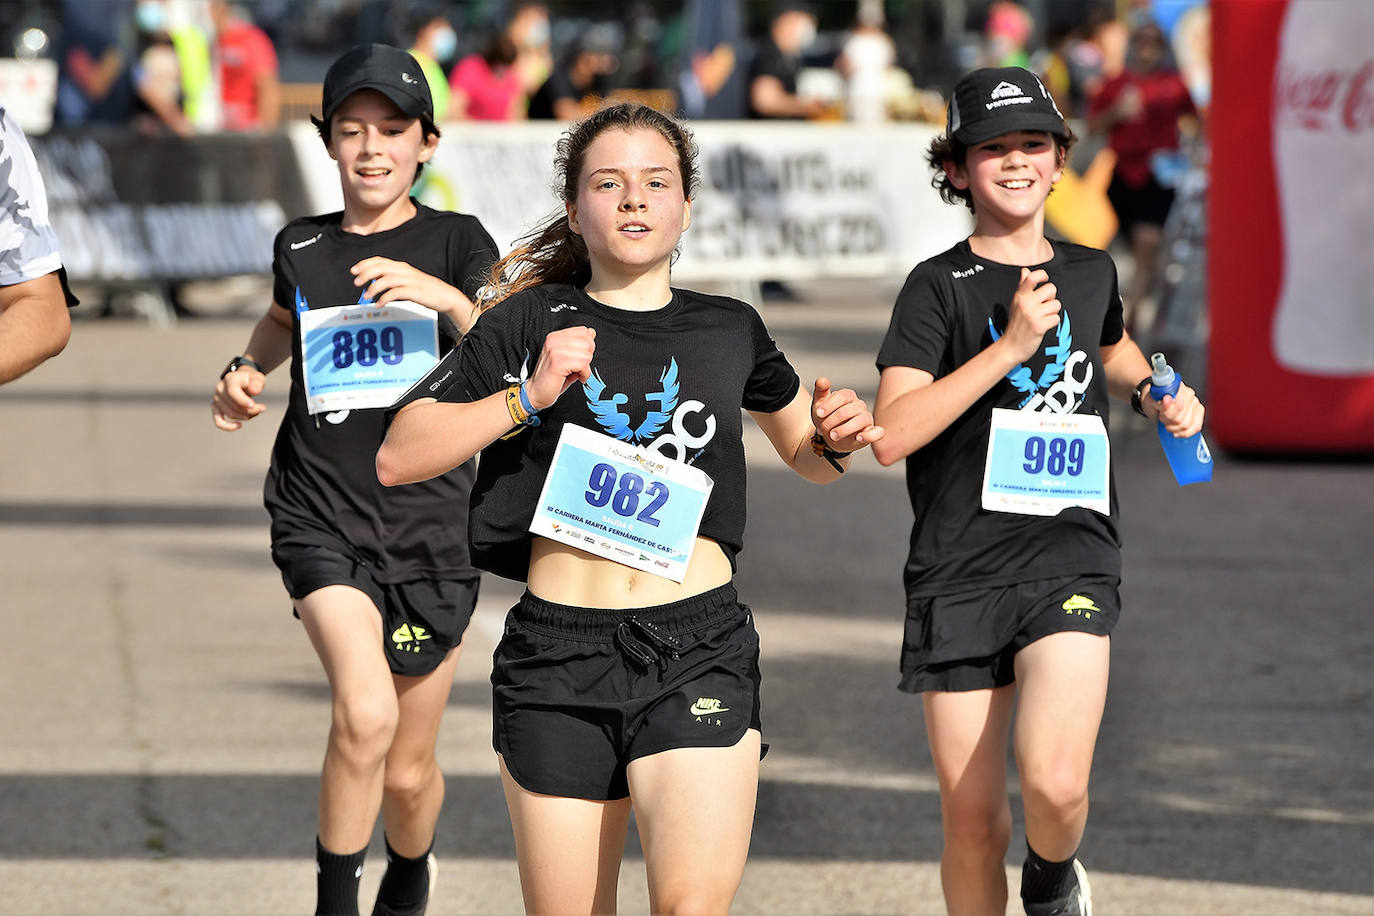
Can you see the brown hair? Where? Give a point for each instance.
(945, 150)
(553, 253)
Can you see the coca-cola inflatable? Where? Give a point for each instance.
(1291, 235)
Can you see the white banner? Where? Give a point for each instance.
(777, 200)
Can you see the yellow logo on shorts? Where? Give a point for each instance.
(707, 706)
(407, 633)
(1081, 605)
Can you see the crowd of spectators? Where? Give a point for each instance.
(1125, 80)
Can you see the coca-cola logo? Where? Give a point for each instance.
(1321, 100)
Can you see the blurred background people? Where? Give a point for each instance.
(95, 83)
(1140, 111)
(529, 29)
(1006, 35)
(583, 72)
(434, 42)
(487, 86)
(865, 59)
(777, 63)
(250, 90)
(158, 92)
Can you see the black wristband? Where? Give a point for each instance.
(822, 449)
(239, 362)
(1138, 394)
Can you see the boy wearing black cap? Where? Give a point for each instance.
(996, 370)
(365, 301)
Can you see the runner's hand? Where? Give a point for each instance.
(1034, 310)
(233, 404)
(1181, 413)
(384, 280)
(566, 358)
(842, 418)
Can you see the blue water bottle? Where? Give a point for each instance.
(1190, 459)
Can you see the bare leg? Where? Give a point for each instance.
(413, 788)
(1063, 690)
(695, 805)
(346, 630)
(569, 849)
(969, 732)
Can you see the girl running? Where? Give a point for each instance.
(615, 686)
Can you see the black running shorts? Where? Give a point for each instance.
(579, 693)
(421, 620)
(968, 640)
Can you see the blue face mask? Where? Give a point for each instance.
(150, 17)
(445, 43)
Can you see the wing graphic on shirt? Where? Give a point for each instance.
(667, 403)
(607, 411)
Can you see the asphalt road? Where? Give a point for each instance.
(162, 717)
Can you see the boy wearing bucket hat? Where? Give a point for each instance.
(364, 301)
(995, 375)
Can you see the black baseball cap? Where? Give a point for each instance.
(389, 70)
(998, 100)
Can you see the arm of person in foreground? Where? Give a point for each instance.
(34, 324)
(269, 346)
(1125, 367)
(842, 419)
(429, 437)
(915, 407)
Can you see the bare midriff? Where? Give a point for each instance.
(566, 575)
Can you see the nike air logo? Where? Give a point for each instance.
(706, 706)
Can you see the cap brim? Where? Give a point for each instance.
(987, 128)
(410, 106)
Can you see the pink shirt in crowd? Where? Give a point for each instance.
(490, 96)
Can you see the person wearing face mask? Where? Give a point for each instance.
(157, 74)
(435, 44)
(777, 61)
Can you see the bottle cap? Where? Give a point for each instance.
(1162, 374)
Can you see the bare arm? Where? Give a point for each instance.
(34, 324)
(1125, 367)
(428, 437)
(770, 98)
(269, 346)
(915, 407)
(840, 416)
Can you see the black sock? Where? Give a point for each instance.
(336, 881)
(1042, 881)
(405, 885)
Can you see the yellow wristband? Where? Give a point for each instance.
(517, 410)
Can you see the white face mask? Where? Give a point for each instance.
(150, 17)
(806, 34)
(538, 35)
(445, 43)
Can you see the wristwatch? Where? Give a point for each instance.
(1138, 394)
(239, 362)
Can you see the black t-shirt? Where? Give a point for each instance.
(770, 61)
(322, 485)
(941, 321)
(673, 380)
